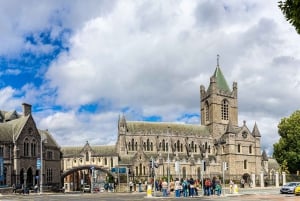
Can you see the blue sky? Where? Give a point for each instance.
(81, 64)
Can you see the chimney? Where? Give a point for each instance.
(26, 109)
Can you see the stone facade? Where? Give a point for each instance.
(195, 149)
(20, 149)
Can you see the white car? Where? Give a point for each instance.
(289, 187)
(86, 189)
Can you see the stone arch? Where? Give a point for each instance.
(84, 167)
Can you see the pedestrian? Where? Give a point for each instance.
(231, 183)
(177, 188)
(164, 188)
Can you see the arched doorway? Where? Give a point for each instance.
(29, 178)
(246, 179)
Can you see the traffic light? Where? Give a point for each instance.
(204, 165)
(151, 163)
(225, 166)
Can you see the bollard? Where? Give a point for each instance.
(149, 191)
(235, 189)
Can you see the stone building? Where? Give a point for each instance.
(80, 163)
(189, 150)
(20, 151)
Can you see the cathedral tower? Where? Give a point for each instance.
(218, 104)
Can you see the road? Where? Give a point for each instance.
(253, 194)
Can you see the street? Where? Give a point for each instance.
(251, 194)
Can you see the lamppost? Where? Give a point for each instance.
(168, 159)
(43, 139)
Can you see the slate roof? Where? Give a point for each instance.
(100, 150)
(9, 131)
(165, 127)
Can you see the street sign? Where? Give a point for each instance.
(38, 163)
(121, 170)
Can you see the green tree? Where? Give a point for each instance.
(291, 11)
(288, 147)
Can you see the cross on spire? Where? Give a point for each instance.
(218, 57)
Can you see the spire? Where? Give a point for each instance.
(255, 131)
(219, 77)
(264, 156)
(229, 128)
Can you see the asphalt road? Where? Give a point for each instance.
(251, 194)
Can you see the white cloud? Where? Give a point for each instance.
(152, 56)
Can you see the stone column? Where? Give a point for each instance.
(283, 178)
(262, 182)
(276, 179)
(253, 180)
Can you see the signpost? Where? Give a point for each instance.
(1, 169)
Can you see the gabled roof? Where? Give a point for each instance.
(165, 127)
(16, 126)
(98, 150)
(220, 80)
(50, 140)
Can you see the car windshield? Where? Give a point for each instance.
(292, 184)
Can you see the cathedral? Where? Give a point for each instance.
(219, 146)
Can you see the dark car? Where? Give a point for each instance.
(289, 187)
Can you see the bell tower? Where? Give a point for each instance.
(218, 104)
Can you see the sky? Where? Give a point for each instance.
(82, 64)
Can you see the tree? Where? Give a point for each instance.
(287, 150)
(291, 11)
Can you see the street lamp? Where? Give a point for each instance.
(168, 160)
(43, 139)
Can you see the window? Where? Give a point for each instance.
(1, 151)
(148, 145)
(33, 148)
(224, 110)
(26, 147)
(105, 161)
(111, 162)
(206, 111)
(239, 148)
(250, 149)
(87, 156)
(245, 164)
(132, 144)
(49, 155)
(163, 145)
(129, 146)
(49, 175)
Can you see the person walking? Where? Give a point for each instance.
(164, 186)
(177, 188)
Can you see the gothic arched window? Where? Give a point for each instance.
(26, 147)
(33, 147)
(132, 144)
(206, 111)
(224, 110)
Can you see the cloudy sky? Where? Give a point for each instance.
(83, 63)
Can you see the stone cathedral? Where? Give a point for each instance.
(190, 150)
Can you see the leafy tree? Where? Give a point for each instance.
(287, 150)
(284, 167)
(291, 11)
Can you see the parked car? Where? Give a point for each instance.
(289, 187)
(297, 190)
(86, 189)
